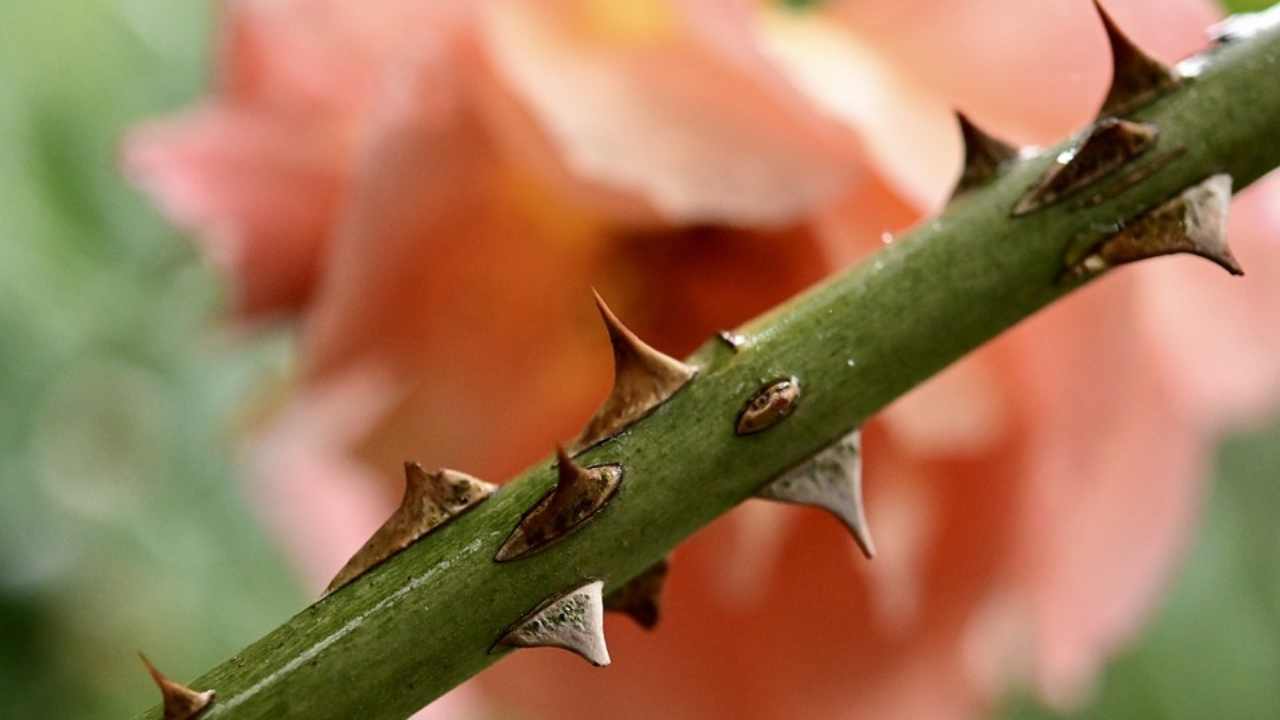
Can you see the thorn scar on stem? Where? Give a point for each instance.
(769, 406)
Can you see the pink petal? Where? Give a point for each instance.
(1051, 58)
(662, 103)
(325, 57)
(261, 195)
(1115, 472)
(961, 411)
(908, 131)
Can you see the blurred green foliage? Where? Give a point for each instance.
(121, 524)
(1246, 5)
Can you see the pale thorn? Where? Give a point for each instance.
(831, 480)
(573, 621)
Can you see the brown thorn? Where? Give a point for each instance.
(640, 598)
(1136, 77)
(984, 156)
(180, 701)
(1194, 222)
(579, 493)
(769, 406)
(430, 500)
(573, 621)
(1107, 146)
(831, 480)
(643, 379)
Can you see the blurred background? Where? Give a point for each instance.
(120, 526)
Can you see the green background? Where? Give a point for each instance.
(119, 519)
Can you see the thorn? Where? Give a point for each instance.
(831, 480)
(1136, 77)
(579, 493)
(640, 597)
(1194, 222)
(430, 500)
(180, 701)
(769, 406)
(1107, 146)
(573, 621)
(643, 379)
(984, 156)
(1242, 26)
(735, 341)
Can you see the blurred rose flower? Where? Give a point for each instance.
(432, 187)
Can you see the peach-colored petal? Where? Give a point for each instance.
(1114, 477)
(261, 195)
(908, 133)
(862, 220)
(430, 259)
(320, 502)
(761, 528)
(1051, 58)
(326, 57)
(1220, 335)
(906, 514)
(664, 104)
(961, 411)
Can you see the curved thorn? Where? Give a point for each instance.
(643, 379)
(984, 156)
(430, 500)
(1136, 77)
(831, 480)
(1194, 222)
(180, 701)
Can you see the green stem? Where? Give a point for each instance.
(424, 621)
